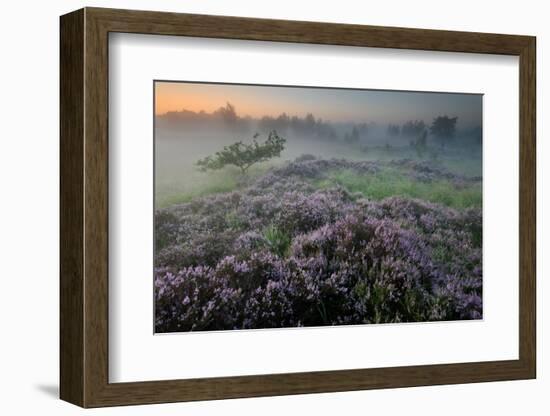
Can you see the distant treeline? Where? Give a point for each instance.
(226, 115)
(443, 128)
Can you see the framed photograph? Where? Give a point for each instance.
(255, 207)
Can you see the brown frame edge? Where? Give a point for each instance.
(84, 207)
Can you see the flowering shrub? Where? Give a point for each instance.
(425, 172)
(279, 252)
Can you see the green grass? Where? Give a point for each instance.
(278, 240)
(196, 184)
(181, 182)
(214, 184)
(177, 179)
(469, 166)
(386, 183)
(392, 182)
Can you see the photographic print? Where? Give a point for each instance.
(293, 206)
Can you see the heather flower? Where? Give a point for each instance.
(279, 252)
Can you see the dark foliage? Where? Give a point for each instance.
(244, 155)
(443, 129)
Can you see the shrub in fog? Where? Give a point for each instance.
(244, 155)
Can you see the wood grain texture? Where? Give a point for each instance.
(162, 23)
(84, 207)
(527, 207)
(96, 226)
(71, 208)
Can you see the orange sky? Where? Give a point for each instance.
(248, 100)
(330, 104)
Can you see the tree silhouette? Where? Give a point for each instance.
(444, 128)
(244, 155)
(228, 113)
(310, 121)
(393, 130)
(413, 128)
(353, 137)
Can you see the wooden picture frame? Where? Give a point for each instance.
(84, 207)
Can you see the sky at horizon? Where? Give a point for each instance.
(330, 104)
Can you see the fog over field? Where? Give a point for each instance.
(182, 138)
(287, 207)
